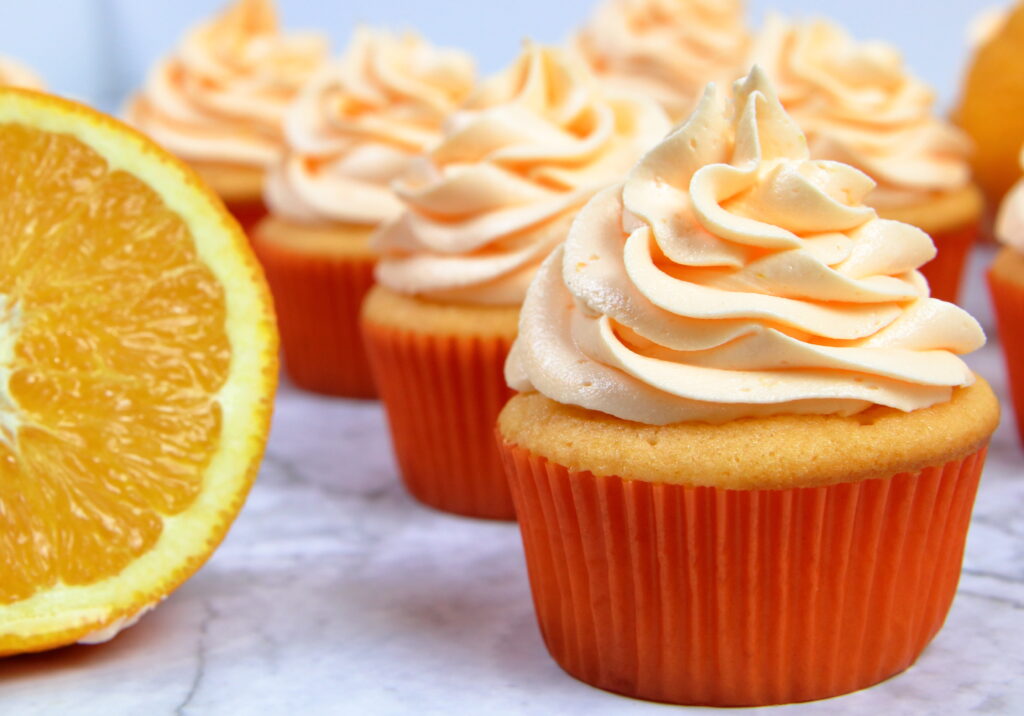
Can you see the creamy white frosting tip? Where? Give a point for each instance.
(732, 275)
(1010, 219)
(17, 74)
(858, 104)
(486, 204)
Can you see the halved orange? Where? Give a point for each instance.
(138, 361)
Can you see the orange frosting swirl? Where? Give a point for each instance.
(733, 276)
(17, 74)
(857, 104)
(668, 49)
(221, 97)
(489, 202)
(358, 124)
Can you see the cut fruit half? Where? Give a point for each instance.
(138, 362)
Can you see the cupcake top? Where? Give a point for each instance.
(733, 276)
(857, 104)
(489, 202)
(668, 49)
(1010, 220)
(221, 96)
(357, 124)
(16, 74)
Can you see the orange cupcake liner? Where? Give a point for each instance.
(443, 395)
(248, 213)
(706, 596)
(945, 272)
(318, 298)
(1008, 301)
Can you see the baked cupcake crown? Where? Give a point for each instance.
(485, 205)
(731, 275)
(359, 122)
(858, 103)
(221, 97)
(668, 49)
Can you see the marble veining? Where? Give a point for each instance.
(335, 593)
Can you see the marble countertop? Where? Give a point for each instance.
(336, 593)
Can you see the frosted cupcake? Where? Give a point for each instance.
(353, 129)
(16, 74)
(481, 211)
(744, 452)
(218, 101)
(857, 104)
(1006, 281)
(668, 49)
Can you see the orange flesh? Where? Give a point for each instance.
(119, 347)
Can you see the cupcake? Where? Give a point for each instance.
(1006, 282)
(857, 104)
(668, 49)
(218, 101)
(991, 107)
(744, 453)
(352, 130)
(481, 210)
(16, 74)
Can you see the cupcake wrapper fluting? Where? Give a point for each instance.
(247, 213)
(318, 299)
(699, 595)
(1008, 300)
(443, 395)
(945, 272)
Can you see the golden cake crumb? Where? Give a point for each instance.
(388, 308)
(777, 452)
(348, 240)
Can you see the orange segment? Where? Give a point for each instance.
(137, 367)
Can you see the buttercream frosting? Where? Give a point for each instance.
(668, 49)
(858, 104)
(496, 195)
(17, 74)
(359, 122)
(733, 276)
(1010, 219)
(221, 96)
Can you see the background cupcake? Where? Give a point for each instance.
(218, 101)
(857, 104)
(1006, 281)
(353, 129)
(668, 49)
(17, 74)
(482, 210)
(745, 452)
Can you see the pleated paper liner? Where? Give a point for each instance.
(945, 272)
(248, 213)
(317, 297)
(1008, 301)
(706, 596)
(443, 394)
